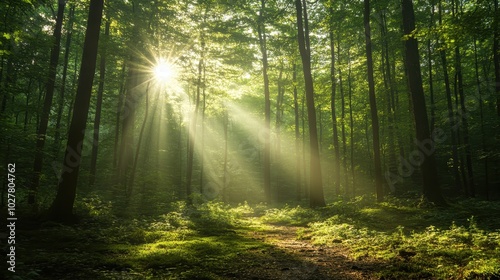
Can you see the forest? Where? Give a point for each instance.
(250, 139)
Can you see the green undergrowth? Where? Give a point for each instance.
(195, 242)
(407, 239)
(414, 240)
(412, 237)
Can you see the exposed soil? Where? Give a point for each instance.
(290, 258)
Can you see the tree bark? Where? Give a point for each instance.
(481, 118)
(336, 146)
(267, 106)
(49, 94)
(118, 118)
(430, 176)
(342, 117)
(139, 142)
(373, 104)
(316, 197)
(62, 207)
(351, 123)
(496, 54)
(298, 178)
(97, 119)
(60, 109)
(451, 114)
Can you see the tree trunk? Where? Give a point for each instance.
(49, 94)
(202, 136)
(470, 188)
(429, 63)
(451, 114)
(431, 187)
(279, 113)
(481, 115)
(316, 197)
(139, 142)
(351, 122)
(496, 55)
(62, 207)
(336, 146)
(60, 109)
(373, 104)
(192, 131)
(224, 174)
(298, 178)
(267, 109)
(118, 117)
(389, 87)
(342, 117)
(97, 119)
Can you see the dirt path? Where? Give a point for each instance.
(289, 258)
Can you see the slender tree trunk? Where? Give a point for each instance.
(97, 119)
(128, 116)
(49, 94)
(481, 115)
(496, 54)
(336, 148)
(430, 176)
(139, 142)
(351, 123)
(192, 131)
(73, 83)
(342, 116)
(298, 178)
(316, 197)
(465, 125)
(267, 109)
(451, 114)
(200, 84)
(202, 137)
(373, 104)
(118, 117)
(60, 108)
(431, 80)
(279, 113)
(62, 207)
(389, 87)
(224, 174)
(302, 110)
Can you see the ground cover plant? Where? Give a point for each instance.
(397, 239)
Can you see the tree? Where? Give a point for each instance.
(60, 109)
(47, 106)
(496, 54)
(373, 104)
(430, 176)
(336, 146)
(449, 102)
(316, 197)
(62, 206)
(267, 103)
(97, 118)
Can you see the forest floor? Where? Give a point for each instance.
(346, 240)
(305, 260)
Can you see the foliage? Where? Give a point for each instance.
(393, 232)
(290, 216)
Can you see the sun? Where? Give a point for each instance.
(164, 71)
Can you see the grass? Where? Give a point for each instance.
(211, 240)
(416, 241)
